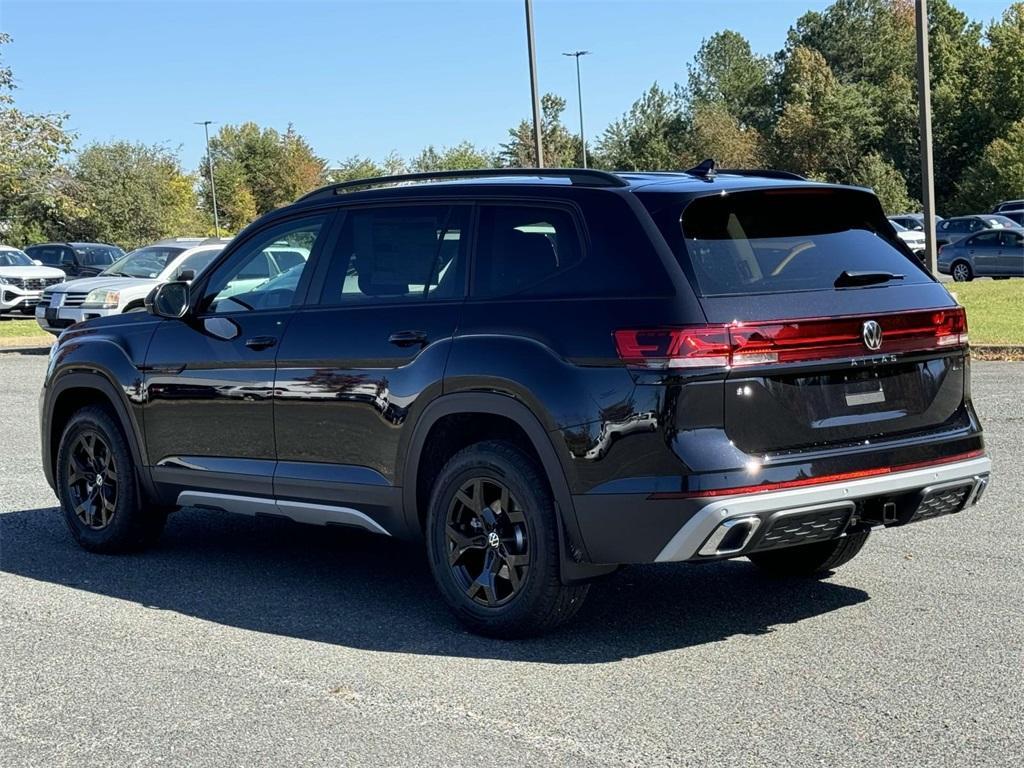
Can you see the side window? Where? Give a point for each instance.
(974, 225)
(528, 251)
(985, 240)
(67, 257)
(1012, 240)
(944, 226)
(250, 281)
(398, 254)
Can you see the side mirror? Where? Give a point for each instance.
(37, 262)
(169, 300)
(187, 275)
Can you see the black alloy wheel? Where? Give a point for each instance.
(487, 541)
(92, 479)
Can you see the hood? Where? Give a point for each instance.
(86, 284)
(31, 273)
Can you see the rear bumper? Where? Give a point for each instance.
(665, 530)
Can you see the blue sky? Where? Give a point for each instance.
(359, 77)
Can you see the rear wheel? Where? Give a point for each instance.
(811, 559)
(97, 489)
(962, 272)
(492, 543)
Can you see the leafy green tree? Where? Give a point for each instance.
(726, 73)
(131, 194)
(457, 158)
(877, 173)
(32, 147)
(357, 167)
(825, 127)
(257, 170)
(713, 132)
(561, 148)
(998, 174)
(648, 137)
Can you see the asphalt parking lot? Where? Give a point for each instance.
(253, 642)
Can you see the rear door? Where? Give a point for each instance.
(1011, 253)
(367, 352)
(837, 334)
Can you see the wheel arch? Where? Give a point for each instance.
(70, 393)
(573, 552)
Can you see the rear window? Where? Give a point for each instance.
(777, 241)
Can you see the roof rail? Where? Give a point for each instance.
(584, 177)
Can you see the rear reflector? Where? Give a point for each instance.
(819, 480)
(791, 341)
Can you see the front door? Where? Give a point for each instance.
(210, 378)
(366, 353)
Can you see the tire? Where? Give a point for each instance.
(523, 594)
(811, 559)
(961, 272)
(104, 515)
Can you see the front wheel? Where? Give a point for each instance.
(811, 559)
(962, 272)
(97, 489)
(492, 543)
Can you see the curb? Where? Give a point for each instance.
(1012, 352)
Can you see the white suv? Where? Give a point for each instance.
(124, 285)
(22, 280)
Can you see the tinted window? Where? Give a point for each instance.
(787, 240)
(985, 240)
(1012, 240)
(395, 254)
(48, 254)
(526, 251)
(245, 282)
(98, 255)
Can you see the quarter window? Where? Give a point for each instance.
(527, 251)
(399, 254)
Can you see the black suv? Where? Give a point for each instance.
(541, 375)
(76, 259)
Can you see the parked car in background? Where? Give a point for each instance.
(22, 280)
(996, 253)
(959, 227)
(76, 259)
(912, 221)
(1009, 205)
(914, 239)
(124, 285)
(1016, 216)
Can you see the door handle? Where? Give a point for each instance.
(408, 338)
(260, 342)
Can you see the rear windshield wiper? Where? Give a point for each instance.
(848, 279)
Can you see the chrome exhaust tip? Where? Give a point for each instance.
(730, 537)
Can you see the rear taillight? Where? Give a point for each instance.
(790, 341)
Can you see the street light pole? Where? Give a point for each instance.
(579, 96)
(533, 84)
(924, 109)
(213, 186)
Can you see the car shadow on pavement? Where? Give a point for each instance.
(360, 591)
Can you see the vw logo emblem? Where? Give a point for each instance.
(871, 332)
(492, 539)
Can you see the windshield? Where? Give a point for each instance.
(782, 240)
(98, 255)
(15, 258)
(146, 262)
(197, 262)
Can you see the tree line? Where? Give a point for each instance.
(838, 103)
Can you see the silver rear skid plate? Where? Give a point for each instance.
(700, 537)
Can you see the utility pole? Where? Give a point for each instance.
(579, 96)
(533, 84)
(213, 186)
(924, 108)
